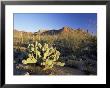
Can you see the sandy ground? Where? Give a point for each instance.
(55, 71)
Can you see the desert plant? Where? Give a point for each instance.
(44, 55)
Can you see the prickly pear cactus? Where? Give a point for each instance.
(31, 59)
(31, 48)
(43, 54)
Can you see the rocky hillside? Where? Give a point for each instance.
(48, 32)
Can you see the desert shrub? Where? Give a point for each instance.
(46, 39)
(76, 43)
(77, 46)
(88, 65)
(43, 55)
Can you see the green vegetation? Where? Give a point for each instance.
(76, 48)
(43, 55)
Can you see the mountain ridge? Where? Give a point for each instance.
(64, 29)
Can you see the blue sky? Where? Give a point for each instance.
(33, 22)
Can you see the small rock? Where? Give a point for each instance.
(27, 73)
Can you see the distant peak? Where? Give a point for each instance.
(66, 29)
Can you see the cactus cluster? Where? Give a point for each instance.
(44, 55)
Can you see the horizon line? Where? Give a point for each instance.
(50, 29)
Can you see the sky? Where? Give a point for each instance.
(33, 22)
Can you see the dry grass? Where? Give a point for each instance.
(73, 46)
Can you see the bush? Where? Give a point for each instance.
(43, 55)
